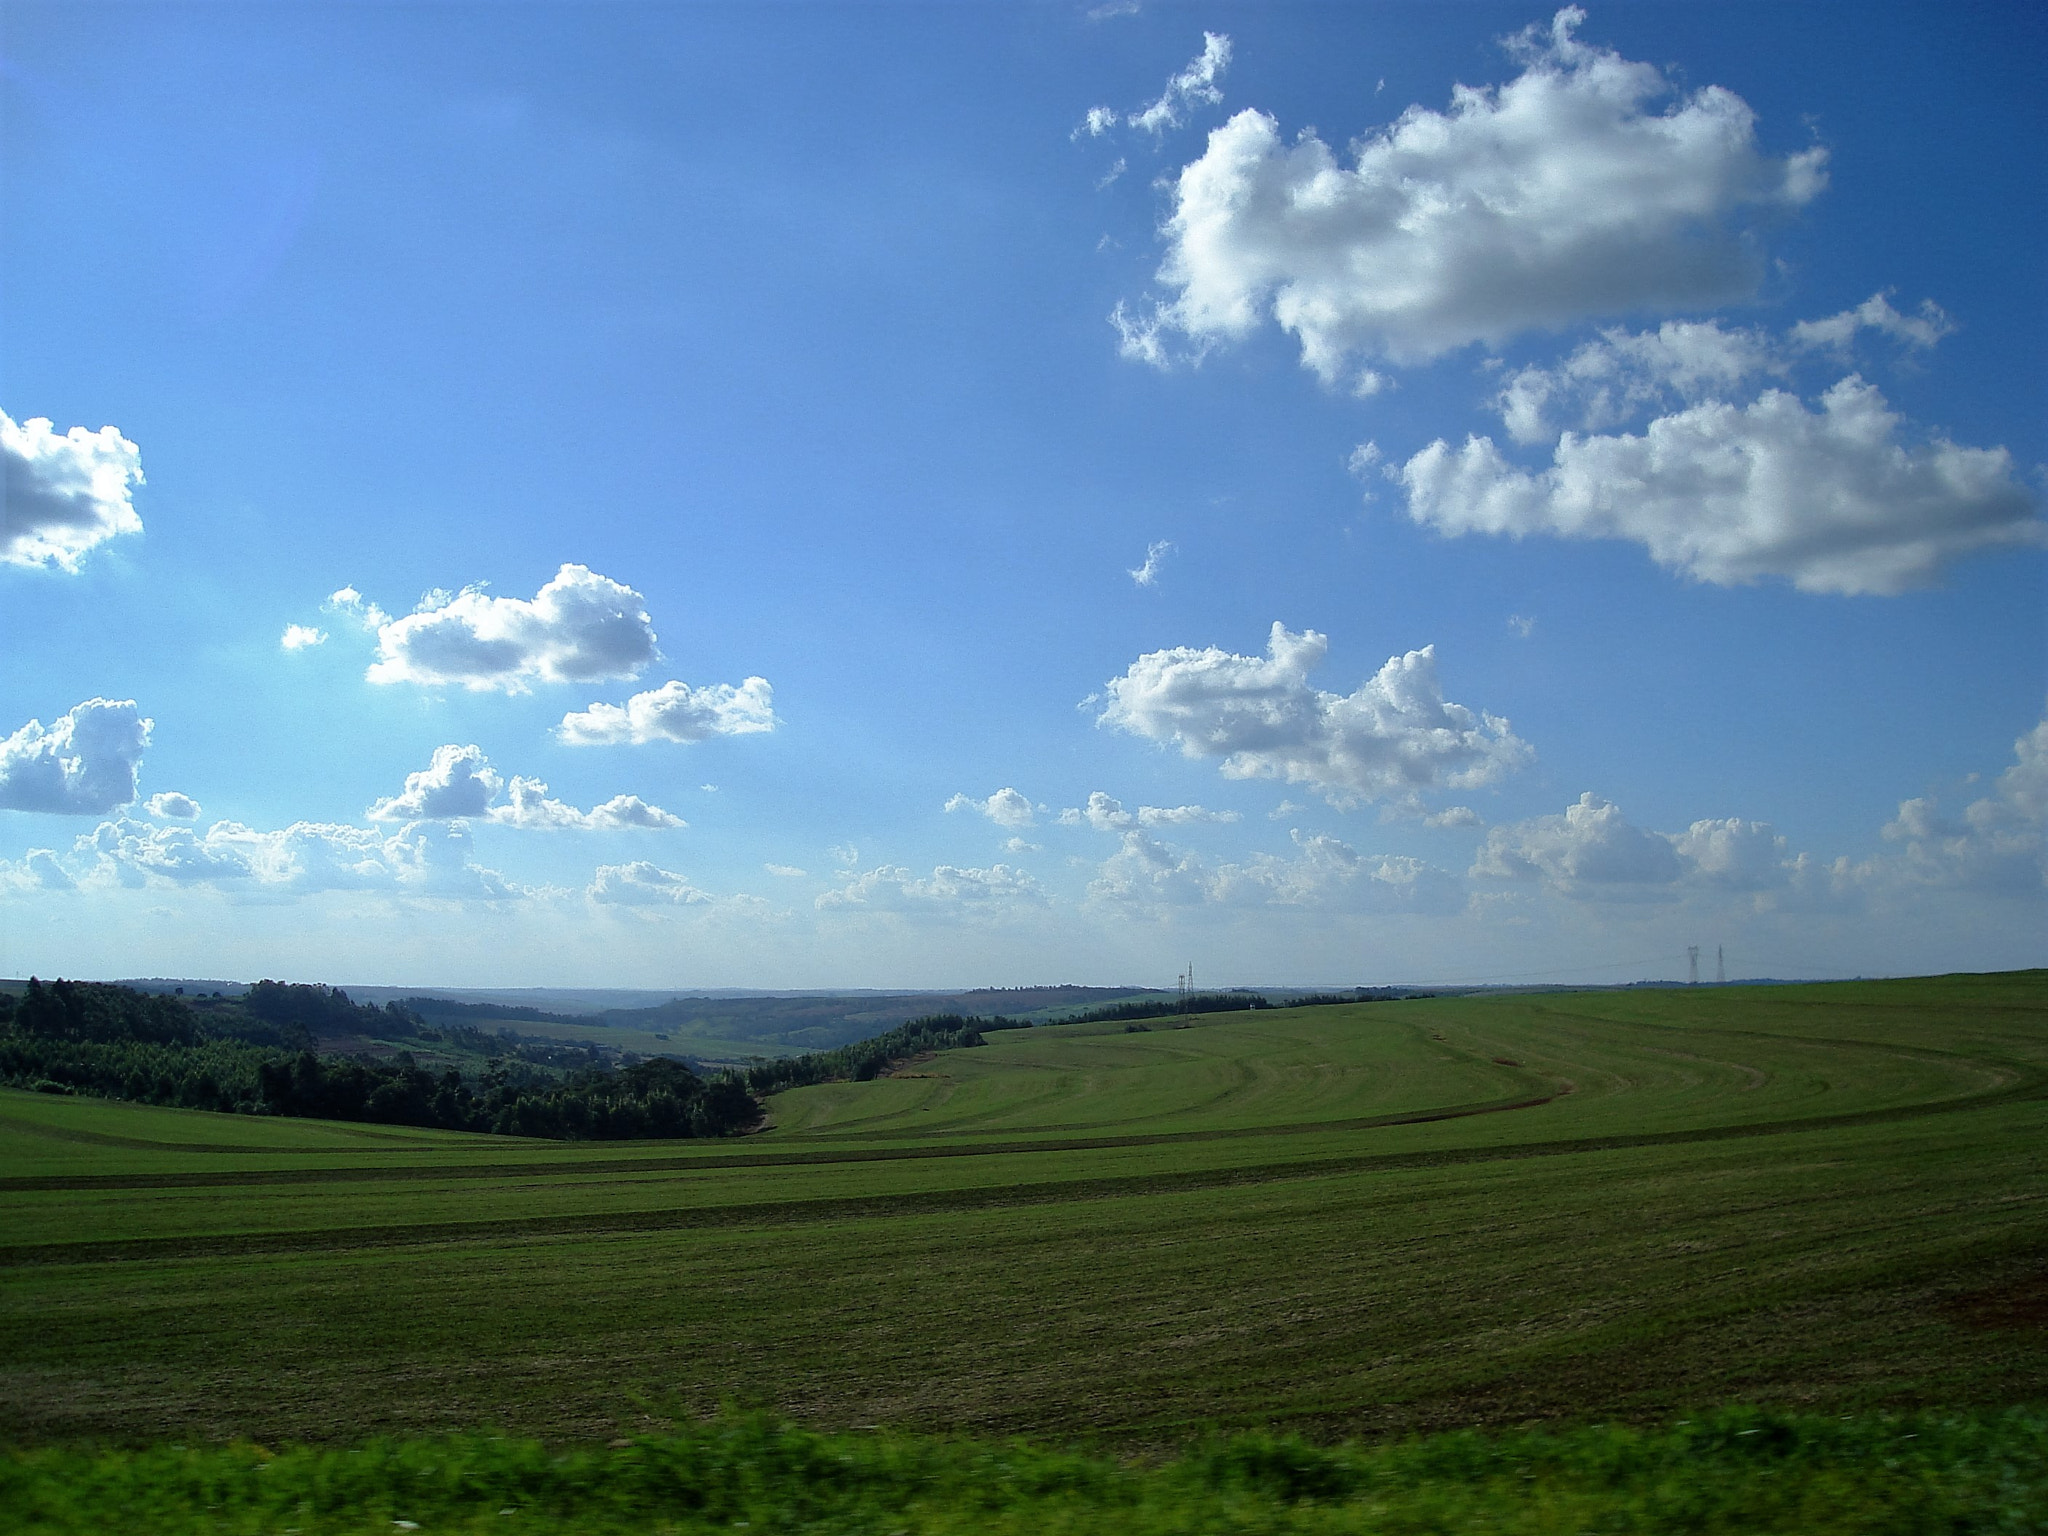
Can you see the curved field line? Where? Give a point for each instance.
(1225, 1080)
(2034, 1084)
(247, 1176)
(392, 1139)
(941, 1143)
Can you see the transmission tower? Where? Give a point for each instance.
(1692, 960)
(1720, 966)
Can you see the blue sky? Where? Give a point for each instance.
(777, 464)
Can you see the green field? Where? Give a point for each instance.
(1340, 1221)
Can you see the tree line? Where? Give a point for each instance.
(258, 1058)
(864, 1060)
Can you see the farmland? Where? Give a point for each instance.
(1340, 1220)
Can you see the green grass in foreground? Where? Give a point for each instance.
(1729, 1471)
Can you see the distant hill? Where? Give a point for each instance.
(819, 1021)
(727, 1022)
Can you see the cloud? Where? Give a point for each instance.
(892, 888)
(1193, 86)
(1591, 850)
(1006, 808)
(1732, 854)
(352, 605)
(1324, 872)
(430, 860)
(1609, 379)
(1594, 853)
(1395, 734)
(1184, 816)
(1155, 556)
(83, 765)
(38, 870)
(1105, 814)
(1620, 373)
(1998, 846)
(169, 803)
(1140, 339)
(459, 784)
(1875, 313)
(786, 871)
(1101, 812)
(62, 495)
(675, 712)
(527, 805)
(1830, 499)
(1556, 198)
(580, 627)
(299, 637)
(1453, 816)
(1097, 122)
(1145, 872)
(641, 884)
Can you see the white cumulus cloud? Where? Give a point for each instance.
(1607, 380)
(459, 784)
(1101, 812)
(1875, 313)
(1323, 872)
(641, 884)
(1184, 816)
(61, 494)
(299, 637)
(675, 712)
(1396, 733)
(83, 765)
(527, 805)
(580, 627)
(1999, 845)
(1831, 500)
(1595, 853)
(1620, 373)
(172, 805)
(428, 859)
(1591, 850)
(38, 870)
(1006, 808)
(1106, 814)
(1561, 196)
(893, 888)
(352, 605)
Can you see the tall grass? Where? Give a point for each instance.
(1732, 1470)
